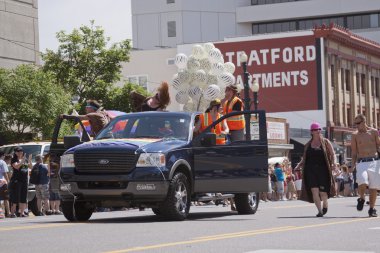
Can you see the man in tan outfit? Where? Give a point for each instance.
(365, 144)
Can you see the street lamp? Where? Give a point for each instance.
(247, 100)
(255, 89)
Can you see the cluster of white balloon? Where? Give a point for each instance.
(201, 77)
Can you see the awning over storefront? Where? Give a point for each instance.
(279, 149)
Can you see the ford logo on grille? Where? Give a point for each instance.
(103, 162)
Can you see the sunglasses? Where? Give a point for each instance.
(157, 97)
(313, 130)
(358, 123)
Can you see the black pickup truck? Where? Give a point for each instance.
(153, 160)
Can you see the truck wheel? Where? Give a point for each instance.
(32, 206)
(82, 211)
(156, 211)
(177, 203)
(247, 203)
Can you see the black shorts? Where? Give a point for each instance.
(18, 192)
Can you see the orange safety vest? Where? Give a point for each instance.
(235, 122)
(206, 120)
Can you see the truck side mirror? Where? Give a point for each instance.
(208, 139)
(71, 141)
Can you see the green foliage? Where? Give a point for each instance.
(119, 98)
(30, 101)
(83, 64)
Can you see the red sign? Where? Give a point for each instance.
(285, 69)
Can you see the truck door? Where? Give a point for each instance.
(237, 166)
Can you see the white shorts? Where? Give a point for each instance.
(368, 173)
(280, 186)
(298, 184)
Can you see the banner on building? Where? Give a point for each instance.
(288, 71)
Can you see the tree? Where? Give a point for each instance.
(83, 64)
(30, 101)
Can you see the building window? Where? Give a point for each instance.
(141, 80)
(357, 83)
(172, 29)
(332, 74)
(378, 119)
(372, 86)
(371, 20)
(348, 83)
(377, 88)
(342, 79)
(170, 1)
(349, 117)
(363, 84)
(333, 113)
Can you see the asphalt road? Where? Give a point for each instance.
(280, 227)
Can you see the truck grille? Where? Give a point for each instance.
(104, 162)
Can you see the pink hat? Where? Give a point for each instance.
(315, 126)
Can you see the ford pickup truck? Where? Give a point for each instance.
(153, 160)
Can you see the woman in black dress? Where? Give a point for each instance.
(19, 181)
(318, 162)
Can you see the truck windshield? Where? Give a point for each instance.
(161, 126)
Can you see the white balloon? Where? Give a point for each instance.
(181, 97)
(214, 55)
(212, 79)
(189, 106)
(229, 67)
(176, 83)
(212, 92)
(198, 52)
(192, 64)
(208, 46)
(217, 68)
(195, 92)
(181, 61)
(205, 64)
(183, 76)
(226, 79)
(200, 76)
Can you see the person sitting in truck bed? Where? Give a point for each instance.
(207, 118)
(95, 114)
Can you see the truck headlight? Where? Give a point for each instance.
(151, 160)
(67, 161)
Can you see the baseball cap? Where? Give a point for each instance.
(315, 126)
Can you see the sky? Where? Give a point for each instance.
(114, 16)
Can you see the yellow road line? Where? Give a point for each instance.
(34, 227)
(238, 234)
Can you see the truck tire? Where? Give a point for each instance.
(82, 212)
(32, 206)
(156, 211)
(247, 203)
(177, 204)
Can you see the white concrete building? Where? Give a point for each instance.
(19, 38)
(167, 23)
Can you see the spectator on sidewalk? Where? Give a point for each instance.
(40, 177)
(278, 171)
(4, 182)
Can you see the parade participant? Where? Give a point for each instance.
(158, 102)
(234, 104)
(317, 162)
(95, 114)
(19, 181)
(365, 144)
(211, 115)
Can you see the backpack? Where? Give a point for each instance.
(35, 174)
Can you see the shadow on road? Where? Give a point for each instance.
(324, 217)
(149, 218)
